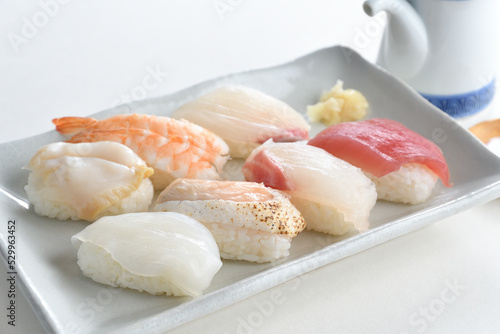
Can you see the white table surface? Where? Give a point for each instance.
(83, 57)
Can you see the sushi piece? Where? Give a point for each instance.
(249, 221)
(87, 181)
(156, 252)
(245, 118)
(173, 148)
(404, 165)
(332, 195)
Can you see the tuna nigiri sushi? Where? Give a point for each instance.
(332, 195)
(156, 252)
(245, 118)
(248, 220)
(88, 180)
(403, 164)
(173, 148)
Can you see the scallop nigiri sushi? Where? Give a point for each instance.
(156, 252)
(248, 220)
(173, 148)
(404, 165)
(332, 195)
(88, 180)
(245, 118)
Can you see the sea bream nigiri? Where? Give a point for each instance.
(404, 165)
(248, 220)
(157, 252)
(173, 148)
(88, 180)
(245, 118)
(332, 195)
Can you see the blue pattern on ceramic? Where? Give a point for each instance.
(466, 104)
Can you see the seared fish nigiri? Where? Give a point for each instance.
(88, 180)
(245, 118)
(248, 220)
(332, 195)
(173, 148)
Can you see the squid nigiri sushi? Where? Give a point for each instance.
(404, 165)
(332, 195)
(245, 118)
(248, 220)
(156, 252)
(173, 148)
(88, 180)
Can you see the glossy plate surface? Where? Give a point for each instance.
(67, 302)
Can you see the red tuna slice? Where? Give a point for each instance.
(381, 146)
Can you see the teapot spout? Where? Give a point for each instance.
(404, 46)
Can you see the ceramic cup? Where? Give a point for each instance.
(456, 43)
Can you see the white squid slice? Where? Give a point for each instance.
(158, 252)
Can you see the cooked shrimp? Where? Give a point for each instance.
(173, 148)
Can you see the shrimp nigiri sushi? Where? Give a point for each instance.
(245, 118)
(332, 195)
(248, 220)
(404, 165)
(173, 148)
(156, 252)
(88, 180)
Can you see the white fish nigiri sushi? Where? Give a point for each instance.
(245, 118)
(88, 181)
(156, 252)
(332, 195)
(248, 220)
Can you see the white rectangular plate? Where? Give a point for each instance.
(66, 301)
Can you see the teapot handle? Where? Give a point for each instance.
(404, 47)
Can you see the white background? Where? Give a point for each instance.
(90, 54)
(80, 57)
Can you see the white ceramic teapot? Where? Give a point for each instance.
(447, 50)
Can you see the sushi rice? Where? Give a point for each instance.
(249, 245)
(412, 184)
(138, 201)
(322, 218)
